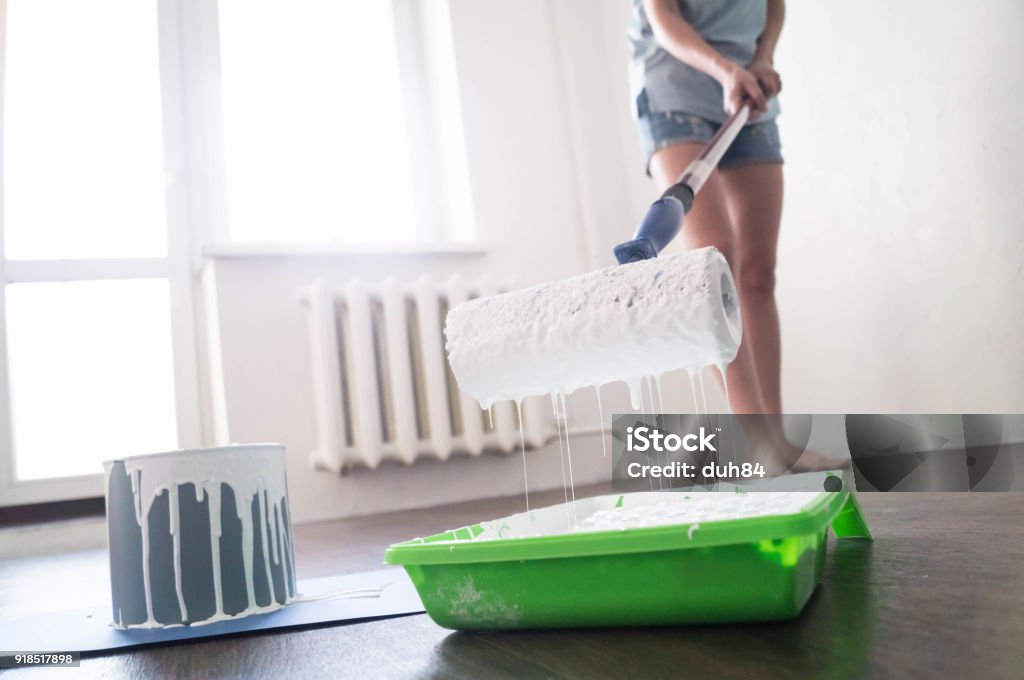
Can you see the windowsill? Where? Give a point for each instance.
(256, 249)
(47, 528)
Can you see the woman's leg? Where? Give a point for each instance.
(753, 194)
(709, 224)
(719, 219)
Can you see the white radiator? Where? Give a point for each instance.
(383, 387)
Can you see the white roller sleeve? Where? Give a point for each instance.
(620, 323)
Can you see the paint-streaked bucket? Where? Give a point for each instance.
(199, 535)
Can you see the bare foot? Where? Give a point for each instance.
(781, 458)
(812, 461)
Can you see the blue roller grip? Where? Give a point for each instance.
(659, 226)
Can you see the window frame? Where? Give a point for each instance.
(189, 206)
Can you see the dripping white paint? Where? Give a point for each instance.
(199, 536)
(630, 323)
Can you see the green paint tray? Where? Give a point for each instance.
(651, 558)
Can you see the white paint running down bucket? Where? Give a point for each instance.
(199, 536)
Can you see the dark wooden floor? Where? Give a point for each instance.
(939, 594)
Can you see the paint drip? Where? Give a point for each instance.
(255, 477)
(600, 420)
(568, 452)
(561, 457)
(522, 444)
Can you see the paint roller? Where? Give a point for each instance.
(646, 316)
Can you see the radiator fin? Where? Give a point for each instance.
(416, 357)
(341, 323)
(380, 362)
(383, 387)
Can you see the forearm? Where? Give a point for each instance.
(679, 39)
(772, 30)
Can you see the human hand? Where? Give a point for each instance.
(767, 77)
(740, 87)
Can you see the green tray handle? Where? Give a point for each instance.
(849, 523)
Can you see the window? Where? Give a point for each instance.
(95, 362)
(135, 132)
(82, 151)
(329, 133)
(91, 374)
(314, 133)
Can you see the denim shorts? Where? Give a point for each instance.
(756, 142)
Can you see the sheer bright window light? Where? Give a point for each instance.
(91, 373)
(315, 136)
(83, 174)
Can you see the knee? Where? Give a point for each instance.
(757, 278)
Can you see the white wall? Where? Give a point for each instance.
(900, 274)
(903, 234)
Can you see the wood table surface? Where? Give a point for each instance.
(938, 594)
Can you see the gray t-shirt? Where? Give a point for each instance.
(731, 27)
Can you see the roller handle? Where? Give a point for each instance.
(665, 217)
